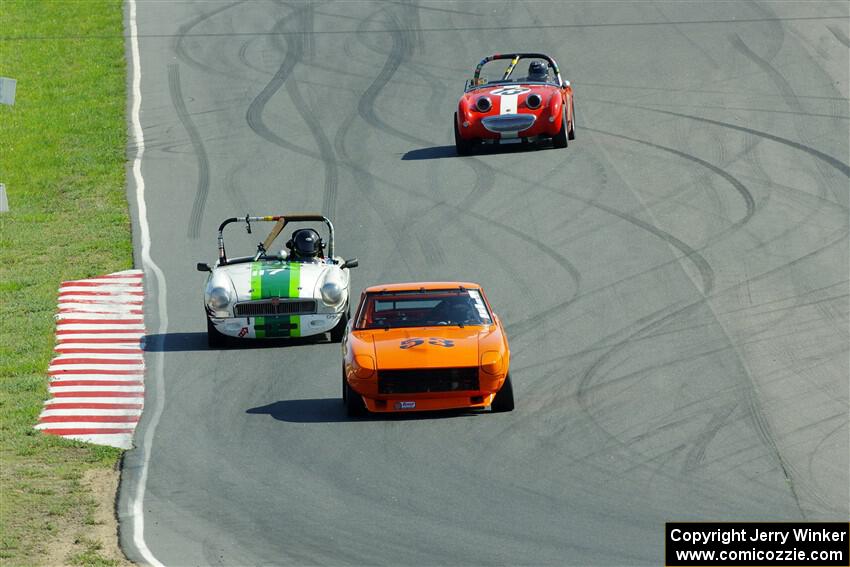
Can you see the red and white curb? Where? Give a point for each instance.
(97, 377)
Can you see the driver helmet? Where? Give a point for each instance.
(305, 243)
(457, 309)
(537, 71)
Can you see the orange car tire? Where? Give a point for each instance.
(504, 400)
(354, 406)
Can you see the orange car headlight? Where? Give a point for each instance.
(364, 366)
(491, 362)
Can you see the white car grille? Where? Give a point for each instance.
(272, 307)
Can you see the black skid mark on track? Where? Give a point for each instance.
(295, 47)
(183, 32)
(680, 307)
(749, 202)
(839, 35)
(254, 114)
(232, 188)
(661, 317)
(243, 57)
(705, 270)
(402, 49)
(586, 386)
(837, 164)
(695, 456)
(296, 43)
(364, 179)
(788, 95)
(203, 185)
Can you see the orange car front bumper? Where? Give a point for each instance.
(430, 401)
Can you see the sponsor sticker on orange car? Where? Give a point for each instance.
(405, 405)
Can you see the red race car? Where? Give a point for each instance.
(515, 109)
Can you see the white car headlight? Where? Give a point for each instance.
(219, 299)
(332, 293)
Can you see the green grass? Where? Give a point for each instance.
(62, 157)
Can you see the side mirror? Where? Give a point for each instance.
(203, 267)
(353, 263)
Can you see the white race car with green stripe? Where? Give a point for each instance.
(271, 296)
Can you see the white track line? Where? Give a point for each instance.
(83, 400)
(120, 440)
(120, 299)
(98, 377)
(94, 367)
(130, 355)
(60, 326)
(137, 502)
(102, 315)
(87, 425)
(90, 411)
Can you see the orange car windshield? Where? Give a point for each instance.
(389, 310)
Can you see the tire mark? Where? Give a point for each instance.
(681, 307)
(687, 38)
(232, 188)
(203, 184)
(839, 35)
(402, 49)
(243, 57)
(696, 90)
(254, 114)
(743, 109)
(703, 267)
(296, 44)
(742, 190)
(403, 46)
(785, 89)
(757, 418)
(559, 259)
(696, 454)
(364, 179)
(706, 272)
(837, 164)
(662, 316)
(183, 32)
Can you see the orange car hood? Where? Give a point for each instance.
(427, 347)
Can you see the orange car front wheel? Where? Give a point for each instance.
(354, 406)
(504, 400)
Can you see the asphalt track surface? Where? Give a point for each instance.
(674, 284)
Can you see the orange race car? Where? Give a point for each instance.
(425, 346)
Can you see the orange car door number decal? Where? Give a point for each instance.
(410, 343)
